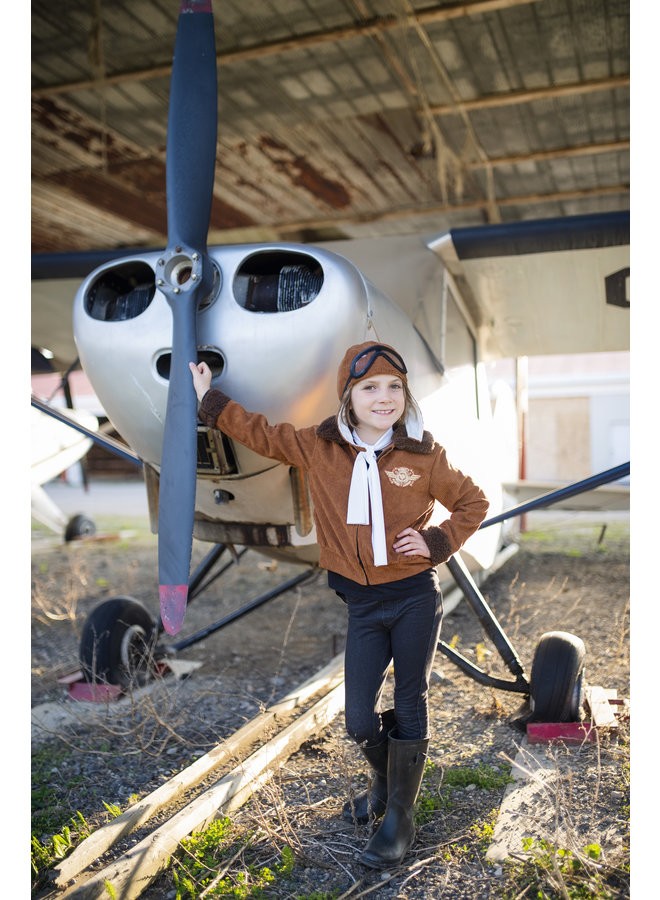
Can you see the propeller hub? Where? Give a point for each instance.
(181, 269)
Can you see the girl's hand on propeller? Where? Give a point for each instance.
(201, 376)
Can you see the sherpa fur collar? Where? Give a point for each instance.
(329, 431)
(214, 402)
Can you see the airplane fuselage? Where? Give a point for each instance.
(273, 329)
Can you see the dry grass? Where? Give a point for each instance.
(157, 734)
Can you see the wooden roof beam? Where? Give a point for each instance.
(542, 155)
(512, 98)
(238, 235)
(365, 28)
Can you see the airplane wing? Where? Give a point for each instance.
(542, 287)
(547, 286)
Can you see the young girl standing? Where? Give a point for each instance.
(374, 476)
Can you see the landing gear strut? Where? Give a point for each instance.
(556, 687)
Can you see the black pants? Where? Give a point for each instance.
(403, 629)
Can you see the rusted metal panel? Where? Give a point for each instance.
(300, 171)
(110, 194)
(74, 223)
(58, 125)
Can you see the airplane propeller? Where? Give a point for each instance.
(185, 274)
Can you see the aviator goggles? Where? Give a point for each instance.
(365, 359)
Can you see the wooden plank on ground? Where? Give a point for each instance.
(132, 873)
(602, 711)
(101, 840)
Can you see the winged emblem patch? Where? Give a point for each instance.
(402, 476)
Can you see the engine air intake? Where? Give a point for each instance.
(120, 293)
(277, 281)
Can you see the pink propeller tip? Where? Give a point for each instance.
(173, 599)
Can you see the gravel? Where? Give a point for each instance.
(573, 579)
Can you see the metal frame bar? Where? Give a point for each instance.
(197, 586)
(580, 487)
(239, 613)
(109, 443)
(481, 609)
(492, 628)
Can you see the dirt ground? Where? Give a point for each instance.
(569, 578)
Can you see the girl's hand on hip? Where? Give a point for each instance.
(201, 375)
(411, 543)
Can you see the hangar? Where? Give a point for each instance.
(337, 118)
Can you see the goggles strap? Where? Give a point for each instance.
(374, 352)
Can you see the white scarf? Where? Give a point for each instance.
(365, 488)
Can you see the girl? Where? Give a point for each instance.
(374, 476)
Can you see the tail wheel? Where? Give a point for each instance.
(557, 680)
(117, 643)
(79, 527)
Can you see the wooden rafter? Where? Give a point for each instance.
(514, 98)
(543, 155)
(365, 28)
(407, 212)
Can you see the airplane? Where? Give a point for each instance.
(55, 447)
(273, 321)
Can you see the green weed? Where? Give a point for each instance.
(318, 895)
(113, 809)
(56, 828)
(44, 853)
(536, 536)
(48, 815)
(203, 866)
(575, 539)
(553, 872)
(435, 795)
(483, 831)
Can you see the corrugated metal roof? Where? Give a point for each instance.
(337, 118)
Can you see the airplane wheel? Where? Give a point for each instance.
(117, 643)
(557, 681)
(79, 526)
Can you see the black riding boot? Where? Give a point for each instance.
(371, 803)
(396, 832)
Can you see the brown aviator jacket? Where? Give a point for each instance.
(413, 475)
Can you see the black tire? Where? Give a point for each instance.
(79, 526)
(557, 681)
(117, 643)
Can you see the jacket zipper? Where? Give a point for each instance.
(359, 558)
